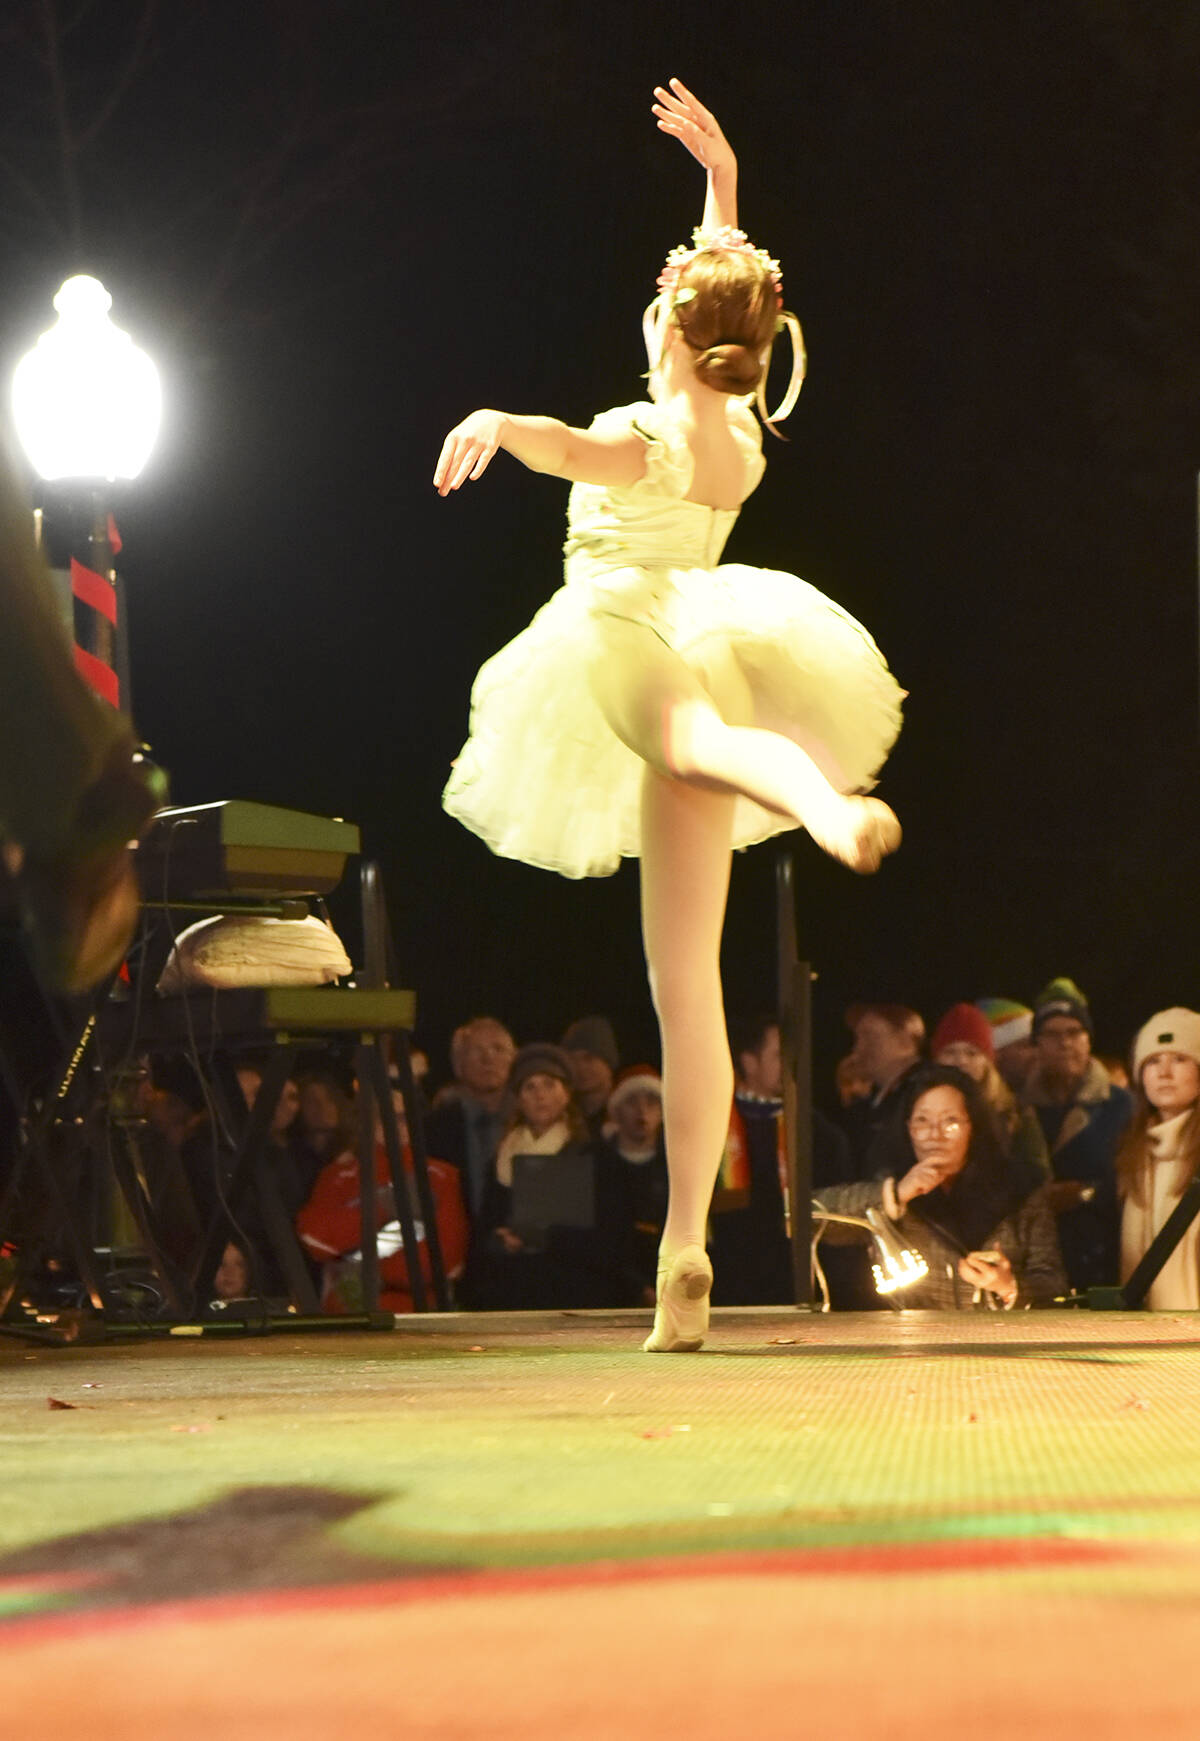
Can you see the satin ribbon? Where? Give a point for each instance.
(795, 380)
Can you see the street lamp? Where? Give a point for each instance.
(87, 404)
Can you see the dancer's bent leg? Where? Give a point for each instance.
(686, 837)
(658, 707)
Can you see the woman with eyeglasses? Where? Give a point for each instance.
(981, 1220)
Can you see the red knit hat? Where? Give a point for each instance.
(964, 1023)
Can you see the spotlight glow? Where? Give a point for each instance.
(86, 401)
(898, 1272)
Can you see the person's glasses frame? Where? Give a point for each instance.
(950, 1125)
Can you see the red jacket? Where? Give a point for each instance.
(330, 1229)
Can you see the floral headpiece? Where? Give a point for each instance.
(726, 240)
(671, 295)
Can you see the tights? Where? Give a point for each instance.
(699, 754)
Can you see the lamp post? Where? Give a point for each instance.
(87, 404)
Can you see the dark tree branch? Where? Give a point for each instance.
(136, 62)
(52, 38)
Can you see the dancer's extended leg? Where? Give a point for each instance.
(700, 752)
(658, 706)
(686, 837)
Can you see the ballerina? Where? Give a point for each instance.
(664, 705)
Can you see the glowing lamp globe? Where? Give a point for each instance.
(86, 401)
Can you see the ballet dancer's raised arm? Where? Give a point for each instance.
(541, 443)
(544, 444)
(681, 114)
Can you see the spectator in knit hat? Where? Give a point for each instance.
(887, 1047)
(1083, 1116)
(1012, 1038)
(965, 1038)
(1160, 1155)
(750, 1242)
(592, 1047)
(550, 1266)
(634, 1139)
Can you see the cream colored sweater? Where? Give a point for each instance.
(1177, 1285)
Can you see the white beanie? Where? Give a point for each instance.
(1174, 1030)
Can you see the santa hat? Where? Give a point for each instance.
(635, 1079)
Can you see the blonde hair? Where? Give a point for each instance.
(729, 320)
(1002, 1102)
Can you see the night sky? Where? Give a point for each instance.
(340, 227)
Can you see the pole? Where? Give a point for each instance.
(76, 537)
(795, 1038)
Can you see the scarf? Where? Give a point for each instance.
(1176, 1288)
(521, 1141)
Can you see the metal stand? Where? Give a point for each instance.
(795, 1036)
(289, 1020)
(71, 1138)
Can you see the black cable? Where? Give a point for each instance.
(216, 1125)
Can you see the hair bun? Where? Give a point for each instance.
(729, 368)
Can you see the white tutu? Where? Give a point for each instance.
(543, 778)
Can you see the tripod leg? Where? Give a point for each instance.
(416, 1140)
(400, 1186)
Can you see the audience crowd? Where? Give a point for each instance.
(1018, 1165)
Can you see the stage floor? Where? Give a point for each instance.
(889, 1524)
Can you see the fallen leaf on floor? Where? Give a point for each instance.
(780, 1341)
(90, 1385)
(52, 1402)
(1135, 1402)
(201, 1427)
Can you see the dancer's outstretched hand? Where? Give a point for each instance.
(696, 127)
(468, 450)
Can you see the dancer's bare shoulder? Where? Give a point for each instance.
(727, 458)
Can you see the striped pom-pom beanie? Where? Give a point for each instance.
(1010, 1021)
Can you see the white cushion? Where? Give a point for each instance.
(239, 950)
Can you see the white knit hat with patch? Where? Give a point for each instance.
(1174, 1030)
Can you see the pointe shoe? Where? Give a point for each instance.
(860, 832)
(681, 1315)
